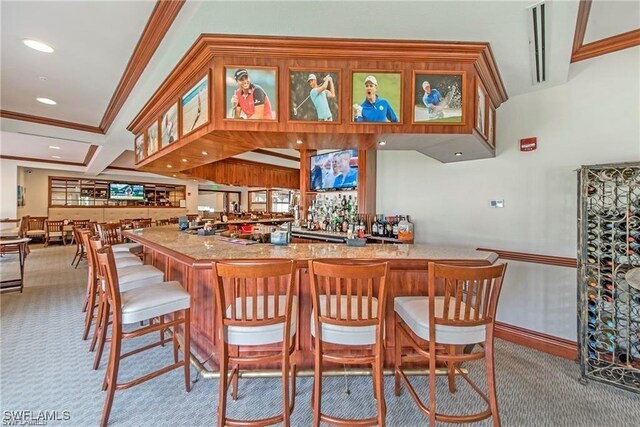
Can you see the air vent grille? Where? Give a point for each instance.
(538, 18)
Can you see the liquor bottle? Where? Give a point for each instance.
(343, 202)
(374, 227)
(394, 227)
(350, 205)
(389, 227)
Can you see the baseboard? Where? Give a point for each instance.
(542, 342)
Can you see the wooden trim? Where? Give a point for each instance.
(122, 168)
(161, 19)
(611, 44)
(49, 122)
(581, 25)
(29, 159)
(546, 343)
(252, 163)
(534, 258)
(90, 153)
(274, 154)
(608, 45)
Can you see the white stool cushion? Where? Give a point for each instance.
(127, 261)
(152, 301)
(138, 276)
(415, 313)
(260, 335)
(345, 335)
(55, 233)
(127, 247)
(35, 232)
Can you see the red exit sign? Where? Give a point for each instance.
(528, 144)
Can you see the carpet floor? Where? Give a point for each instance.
(46, 366)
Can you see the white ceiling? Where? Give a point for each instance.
(39, 148)
(94, 41)
(608, 18)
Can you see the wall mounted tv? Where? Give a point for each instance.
(122, 191)
(334, 171)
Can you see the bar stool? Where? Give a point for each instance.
(111, 234)
(131, 271)
(435, 325)
(256, 305)
(347, 311)
(134, 306)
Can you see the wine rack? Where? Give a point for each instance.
(608, 250)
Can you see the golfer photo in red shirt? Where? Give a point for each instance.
(249, 101)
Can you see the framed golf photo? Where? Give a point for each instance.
(376, 97)
(314, 95)
(139, 147)
(437, 97)
(152, 139)
(251, 93)
(169, 125)
(481, 110)
(195, 106)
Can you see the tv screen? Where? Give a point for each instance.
(334, 171)
(118, 191)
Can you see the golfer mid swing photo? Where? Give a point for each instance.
(319, 95)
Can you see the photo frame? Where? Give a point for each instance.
(251, 93)
(169, 126)
(376, 97)
(139, 147)
(491, 131)
(21, 196)
(438, 97)
(481, 109)
(152, 139)
(314, 95)
(195, 106)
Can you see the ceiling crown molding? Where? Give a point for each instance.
(583, 51)
(50, 122)
(161, 19)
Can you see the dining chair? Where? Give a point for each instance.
(53, 229)
(435, 327)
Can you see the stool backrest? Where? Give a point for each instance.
(110, 234)
(85, 237)
(24, 226)
(248, 292)
(142, 223)
(470, 294)
(354, 284)
(108, 276)
(83, 223)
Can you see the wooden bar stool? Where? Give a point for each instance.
(111, 234)
(256, 305)
(433, 326)
(138, 305)
(347, 311)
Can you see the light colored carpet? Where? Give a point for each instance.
(45, 365)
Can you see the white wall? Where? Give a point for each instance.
(594, 118)
(8, 189)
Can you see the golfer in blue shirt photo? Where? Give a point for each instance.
(373, 108)
(319, 95)
(432, 99)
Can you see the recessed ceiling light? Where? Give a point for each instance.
(459, 153)
(299, 141)
(46, 101)
(174, 175)
(184, 160)
(204, 153)
(56, 157)
(39, 46)
(382, 143)
(54, 147)
(169, 166)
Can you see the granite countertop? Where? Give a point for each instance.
(212, 247)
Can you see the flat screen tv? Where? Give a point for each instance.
(122, 191)
(334, 171)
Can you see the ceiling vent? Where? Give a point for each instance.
(538, 18)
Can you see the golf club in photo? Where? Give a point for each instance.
(296, 107)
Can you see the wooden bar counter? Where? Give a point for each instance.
(188, 258)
